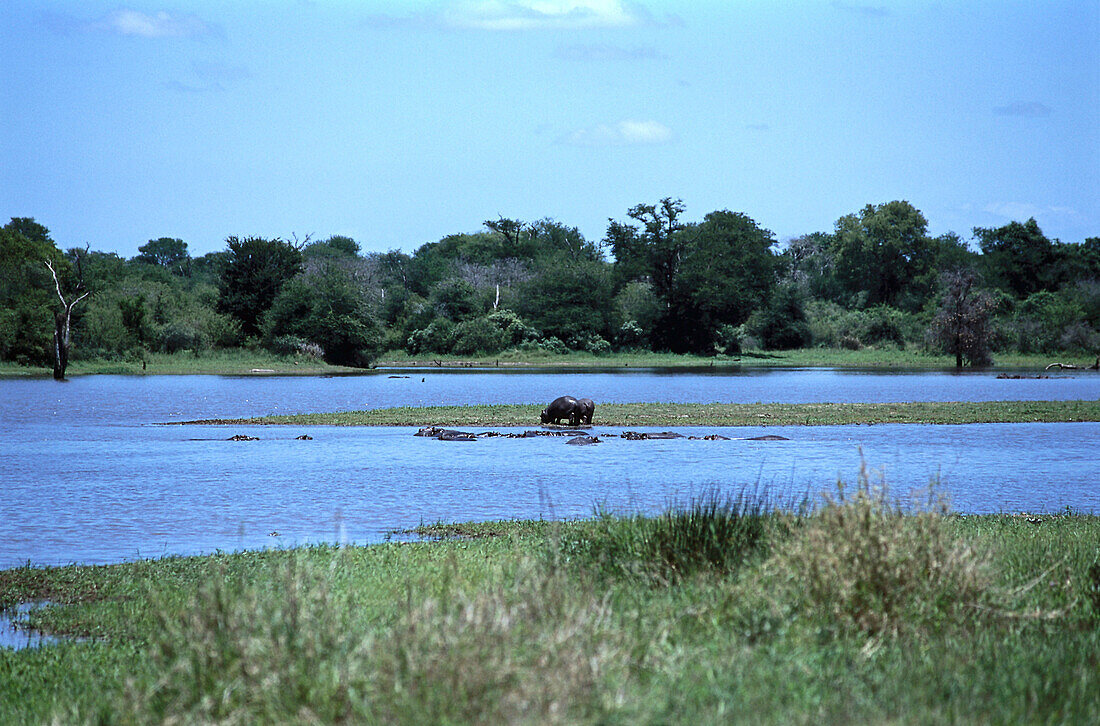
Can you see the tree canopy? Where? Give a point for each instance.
(253, 274)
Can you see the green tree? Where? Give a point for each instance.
(456, 299)
(808, 262)
(726, 271)
(325, 306)
(704, 276)
(335, 246)
(1081, 262)
(27, 296)
(883, 256)
(252, 276)
(166, 252)
(567, 298)
(781, 324)
(1018, 258)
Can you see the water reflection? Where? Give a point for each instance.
(14, 635)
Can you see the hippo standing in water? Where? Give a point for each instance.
(561, 407)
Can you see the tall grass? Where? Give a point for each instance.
(864, 563)
(295, 649)
(714, 532)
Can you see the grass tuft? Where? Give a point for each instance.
(713, 533)
(862, 563)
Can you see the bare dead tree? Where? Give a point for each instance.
(61, 320)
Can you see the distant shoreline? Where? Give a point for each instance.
(241, 362)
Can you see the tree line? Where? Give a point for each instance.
(656, 281)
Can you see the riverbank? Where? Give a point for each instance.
(855, 613)
(236, 362)
(886, 358)
(705, 414)
(258, 362)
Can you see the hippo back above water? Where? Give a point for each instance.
(561, 407)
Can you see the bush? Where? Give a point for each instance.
(781, 325)
(438, 337)
(479, 335)
(515, 330)
(1079, 337)
(883, 324)
(728, 340)
(553, 345)
(1042, 320)
(178, 335)
(591, 343)
(630, 336)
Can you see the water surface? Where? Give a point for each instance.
(87, 475)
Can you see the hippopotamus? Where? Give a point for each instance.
(561, 407)
(584, 410)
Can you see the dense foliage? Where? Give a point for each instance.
(656, 281)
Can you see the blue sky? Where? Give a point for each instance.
(399, 123)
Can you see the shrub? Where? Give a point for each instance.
(553, 345)
(1079, 337)
(293, 345)
(630, 336)
(180, 335)
(590, 342)
(438, 337)
(479, 335)
(781, 325)
(883, 324)
(728, 340)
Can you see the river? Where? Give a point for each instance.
(89, 476)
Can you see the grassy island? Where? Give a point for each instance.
(724, 610)
(706, 414)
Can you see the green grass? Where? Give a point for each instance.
(705, 414)
(853, 613)
(219, 362)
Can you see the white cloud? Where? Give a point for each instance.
(624, 133)
(156, 25)
(1020, 211)
(540, 14)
